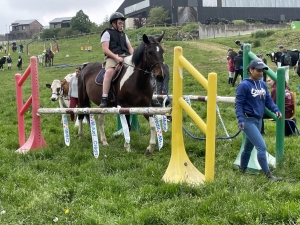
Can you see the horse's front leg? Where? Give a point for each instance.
(101, 129)
(80, 130)
(152, 143)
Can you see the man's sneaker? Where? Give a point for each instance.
(270, 176)
(104, 101)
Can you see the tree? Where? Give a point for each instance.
(158, 15)
(81, 22)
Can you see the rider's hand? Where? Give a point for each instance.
(120, 59)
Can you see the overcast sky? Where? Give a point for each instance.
(45, 11)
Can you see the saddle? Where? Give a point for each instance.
(100, 77)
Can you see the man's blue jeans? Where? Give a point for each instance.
(252, 128)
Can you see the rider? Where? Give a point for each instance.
(115, 45)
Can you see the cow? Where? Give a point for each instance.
(275, 57)
(2, 62)
(60, 90)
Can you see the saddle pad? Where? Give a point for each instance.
(100, 77)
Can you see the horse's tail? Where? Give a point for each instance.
(83, 98)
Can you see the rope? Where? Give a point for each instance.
(202, 139)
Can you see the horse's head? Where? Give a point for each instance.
(231, 53)
(154, 55)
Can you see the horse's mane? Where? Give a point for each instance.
(139, 51)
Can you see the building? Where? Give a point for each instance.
(184, 11)
(63, 22)
(23, 29)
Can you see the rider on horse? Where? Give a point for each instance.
(115, 45)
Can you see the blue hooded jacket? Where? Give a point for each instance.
(252, 97)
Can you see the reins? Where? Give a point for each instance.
(151, 66)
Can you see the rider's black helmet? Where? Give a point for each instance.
(237, 41)
(115, 16)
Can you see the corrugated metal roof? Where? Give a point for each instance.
(23, 22)
(59, 20)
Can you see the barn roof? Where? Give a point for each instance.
(61, 20)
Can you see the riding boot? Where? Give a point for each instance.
(229, 80)
(104, 102)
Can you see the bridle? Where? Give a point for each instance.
(151, 66)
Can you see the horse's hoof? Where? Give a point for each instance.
(105, 143)
(147, 152)
(127, 147)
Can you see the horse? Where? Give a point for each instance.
(231, 53)
(275, 57)
(132, 88)
(49, 58)
(2, 62)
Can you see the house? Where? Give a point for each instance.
(24, 29)
(63, 22)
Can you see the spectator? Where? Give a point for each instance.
(230, 70)
(9, 62)
(239, 43)
(178, 35)
(40, 58)
(238, 66)
(20, 62)
(73, 91)
(289, 106)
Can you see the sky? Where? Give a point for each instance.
(45, 11)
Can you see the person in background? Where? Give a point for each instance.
(73, 91)
(230, 69)
(178, 35)
(252, 97)
(239, 43)
(289, 105)
(40, 58)
(115, 45)
(161, 88)
(238, 66)
(9, 62)
(261, 56)
(283, 63)
(20, 62)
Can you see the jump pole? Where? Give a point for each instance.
(180, 168)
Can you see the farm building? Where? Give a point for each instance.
(63, 22)
(185, 11)
(23, 29)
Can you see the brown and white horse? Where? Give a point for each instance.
(131, 89)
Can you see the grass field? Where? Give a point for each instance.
(70, 185)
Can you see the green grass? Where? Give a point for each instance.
(127, 188)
